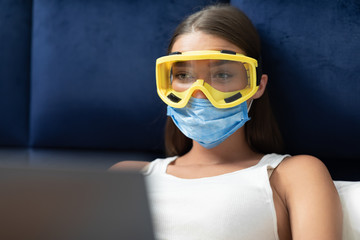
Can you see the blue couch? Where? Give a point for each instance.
(77, 78)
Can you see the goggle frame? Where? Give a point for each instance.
(217, 98)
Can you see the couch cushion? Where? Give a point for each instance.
(311, 51)
(15, 39)
(93, 72)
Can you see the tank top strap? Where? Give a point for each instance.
(157, 166)
(271, 161)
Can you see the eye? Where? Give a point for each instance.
(222, 76)
(184, 77)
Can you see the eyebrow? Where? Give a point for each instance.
(181, 64)
(213, 63)
(216, 63)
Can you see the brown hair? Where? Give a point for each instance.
(231, 24)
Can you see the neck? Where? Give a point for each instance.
(233, 149)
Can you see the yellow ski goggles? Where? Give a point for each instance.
(226, 78)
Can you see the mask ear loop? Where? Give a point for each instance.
(248, 109)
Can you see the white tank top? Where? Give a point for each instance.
(236, 205)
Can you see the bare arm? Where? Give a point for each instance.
(129, 165)
(311, 198)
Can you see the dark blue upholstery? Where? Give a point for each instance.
(92, 80)
(93, 75)
(15, 40)
(77, 78)
(311, 51)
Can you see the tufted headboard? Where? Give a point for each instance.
(77, 78)
(311, 52)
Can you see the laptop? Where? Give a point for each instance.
(68, 205)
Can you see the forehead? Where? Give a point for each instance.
(208, 63)
(197, 41)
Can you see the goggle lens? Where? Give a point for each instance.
(223, 75)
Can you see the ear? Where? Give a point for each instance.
(262, 86)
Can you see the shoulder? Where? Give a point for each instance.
(300, 170)
(302, 165)
(303, 178)
(307, 190)
(301, 175)
(129, 165)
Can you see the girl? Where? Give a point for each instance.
(224, 177)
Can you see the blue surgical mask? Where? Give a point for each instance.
(208, 125)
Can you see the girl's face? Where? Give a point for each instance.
(198, 41)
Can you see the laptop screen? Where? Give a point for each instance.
(65, 204)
